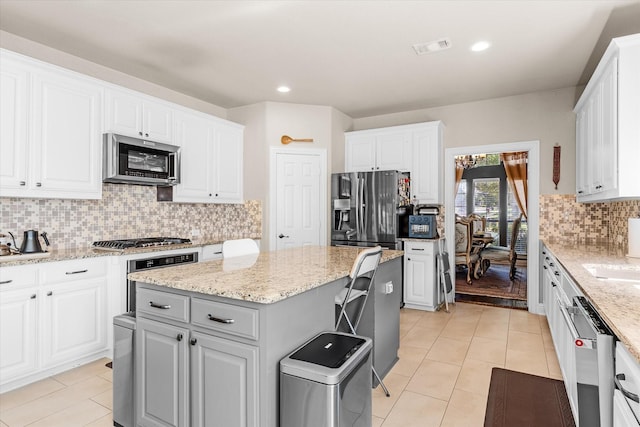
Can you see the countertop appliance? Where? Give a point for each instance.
(423, 226)
(368, 208)
(138, 161)
(31, 242)
(143, 242)
(588, 362)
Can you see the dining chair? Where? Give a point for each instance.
(466, 255)
(239, 247)
(505, 253)
(361, 278)
(479, 223)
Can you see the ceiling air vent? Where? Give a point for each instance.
(433, 46)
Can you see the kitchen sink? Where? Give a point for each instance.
(614, 273)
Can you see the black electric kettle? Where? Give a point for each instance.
(31, 242)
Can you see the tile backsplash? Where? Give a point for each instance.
(562, 218)
(126, 211)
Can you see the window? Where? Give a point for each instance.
(486, 201)
(461, 199)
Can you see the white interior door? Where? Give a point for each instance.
(299, 202)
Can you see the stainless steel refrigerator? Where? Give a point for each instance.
(367, 208)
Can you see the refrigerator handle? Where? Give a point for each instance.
(364, 206)
(357, 205)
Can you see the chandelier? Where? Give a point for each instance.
(470, 160)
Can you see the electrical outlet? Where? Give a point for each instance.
(388, 288)
(195, 232)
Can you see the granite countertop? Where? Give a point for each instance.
(265, 278)
(89, 252)
(617, 301)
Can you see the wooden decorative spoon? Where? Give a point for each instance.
(287, 139)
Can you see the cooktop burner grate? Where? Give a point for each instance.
(139, 243)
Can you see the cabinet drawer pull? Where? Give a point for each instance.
(556, 273)
(23, 183)
(76, 272)
(38, 184)
(627, 393)
(4, 282)
(217, 253)
(551, 264)
(161, 306)
(544, 266)
(219, 320)
(417, 249)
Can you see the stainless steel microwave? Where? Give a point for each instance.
(138, 161)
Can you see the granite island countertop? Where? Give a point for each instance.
(617, 301)
(265, 278)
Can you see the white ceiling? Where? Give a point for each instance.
(353, 55)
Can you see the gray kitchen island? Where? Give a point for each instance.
(210, 336)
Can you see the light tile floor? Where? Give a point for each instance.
(441, 379)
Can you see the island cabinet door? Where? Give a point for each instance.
(162, 374)
(224, 382)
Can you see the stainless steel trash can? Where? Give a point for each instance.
(124, 327)
(327, 383)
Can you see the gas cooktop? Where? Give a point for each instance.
(144, 242)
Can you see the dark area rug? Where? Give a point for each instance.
(495, 283)
(524, 400)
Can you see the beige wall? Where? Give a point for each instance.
(544, 116)
(44, 53)
(266, 123)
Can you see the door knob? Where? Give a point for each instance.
(282, 236)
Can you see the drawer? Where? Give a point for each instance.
(415, 248)
(227, 318)
(16, 277)
(211, 252)
(64, 271)
(162, 304)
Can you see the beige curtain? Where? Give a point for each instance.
(515, 164)
(459, 172)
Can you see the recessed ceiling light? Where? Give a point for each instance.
(284, 89)
(480, 46)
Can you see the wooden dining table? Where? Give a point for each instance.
(479, 242)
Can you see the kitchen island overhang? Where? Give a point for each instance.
(281, 299)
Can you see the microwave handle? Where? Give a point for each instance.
(174, 167)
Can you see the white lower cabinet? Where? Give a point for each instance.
(74, 321)
(52, 316)
(420, 276)
(18, 333)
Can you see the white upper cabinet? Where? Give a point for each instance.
(134, 115)
(427, 178)
(50, 146)
(607, 126)
(211, 160)
(415, 148)
(378, 149)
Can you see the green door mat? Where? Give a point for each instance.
(524, 400)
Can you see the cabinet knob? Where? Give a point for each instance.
(179, 337)
(49, 293)
(556, 273)
(23, 183)
(147, 135)
(193, 341)
(32, 296)
(216, 194)
(408, 259)
(210, 194)
(140, 133)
